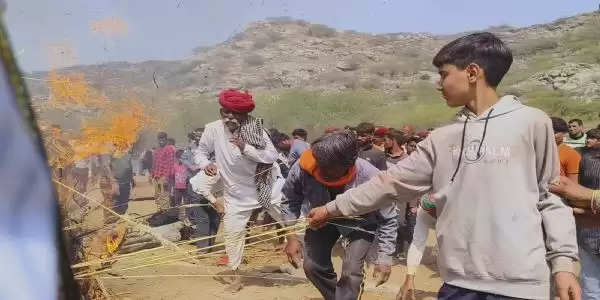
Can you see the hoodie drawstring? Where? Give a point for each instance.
(462, 146)
(484, 131)
(462, 142)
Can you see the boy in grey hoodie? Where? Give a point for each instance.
(501, 234)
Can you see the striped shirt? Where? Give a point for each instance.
(589, 176)
(576, 143)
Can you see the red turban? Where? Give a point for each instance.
(236, 101)
(381, 131)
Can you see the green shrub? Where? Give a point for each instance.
(280, 20)
(559, 104)
(321, 31)
(222, 67)
(338, 45)
(352, 63)
(274, 36)
(254, 60)
(371, 84)
(332, 76)
(224, 54)
(530, 47)
(378, 41)
(260, 43)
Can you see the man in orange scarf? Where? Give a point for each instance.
(329, 169)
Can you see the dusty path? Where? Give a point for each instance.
(261, 260)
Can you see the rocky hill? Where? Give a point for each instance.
(561, 57)
(284, 53)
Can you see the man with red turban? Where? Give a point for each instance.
(245, 161)
(236, 101)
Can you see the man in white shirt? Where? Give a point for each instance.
(245, 160)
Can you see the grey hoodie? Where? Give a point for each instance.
(498, 225)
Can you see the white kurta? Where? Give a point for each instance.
(237, 169)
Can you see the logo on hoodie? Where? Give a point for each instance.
(487, 154)
(472, 148)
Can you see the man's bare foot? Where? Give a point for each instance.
(235, 286)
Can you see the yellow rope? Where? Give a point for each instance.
(117, 257)
(224, 243)
(196, 275)
(80, 276)
(163, 257)
(142, 227)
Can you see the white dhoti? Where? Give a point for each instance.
(234, 225)
(237, 169)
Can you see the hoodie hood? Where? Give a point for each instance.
(505, 105)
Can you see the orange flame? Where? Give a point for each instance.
(115, 134)
(67, 90)
(112, 27)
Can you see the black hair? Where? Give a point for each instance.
(397, 136)
(300, 132)
(195, 135)
(578, 121)
(414, 138)
(162, 135)
(484, 49)
(179, 153)
(365, 127)
(336, 148)
(593, 133)
(559, 125)
(171, 141)
(278, 137)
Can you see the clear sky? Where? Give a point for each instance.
(54, 33)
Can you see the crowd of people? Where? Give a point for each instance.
(483, 183)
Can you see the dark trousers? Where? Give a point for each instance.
(205, 218)
(411, 222)
(122, 200)
(178, 197)
(319, 269)
(406, 229)
(451, 292)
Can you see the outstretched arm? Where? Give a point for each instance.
(405, 181)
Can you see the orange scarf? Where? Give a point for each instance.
(308, 163)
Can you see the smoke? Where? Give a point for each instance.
(61, 54)
(111, 27)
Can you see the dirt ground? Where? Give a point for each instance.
(197, 280)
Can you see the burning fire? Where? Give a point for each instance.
(67, 90)
(115, 133)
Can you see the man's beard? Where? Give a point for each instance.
(232, 124)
